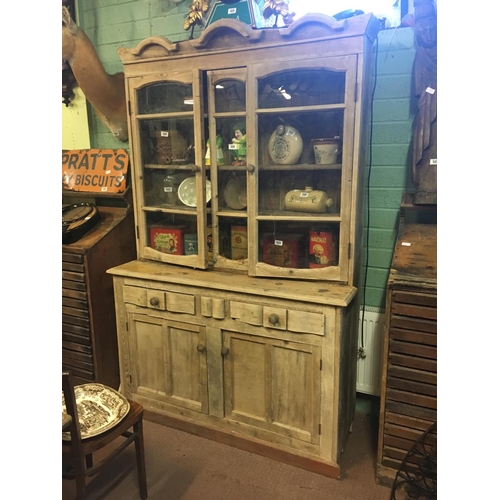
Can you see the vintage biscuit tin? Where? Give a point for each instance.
(239, 243)
(286, 250)
(322, 249)
(167, 239)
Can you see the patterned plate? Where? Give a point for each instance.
(187, 191)
(99, 408)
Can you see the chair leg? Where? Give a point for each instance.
(140, 458)
(79, 478)
(89, 461)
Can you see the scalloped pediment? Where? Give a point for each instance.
(224, 32)
(160, 44)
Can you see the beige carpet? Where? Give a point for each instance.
(183, 466)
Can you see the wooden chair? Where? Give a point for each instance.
(79, 452)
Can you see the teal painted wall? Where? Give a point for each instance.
(120, 23)
(389, 175)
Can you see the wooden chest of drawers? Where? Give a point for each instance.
(89, 343)
(409, 376)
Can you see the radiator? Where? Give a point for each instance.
(370, 365)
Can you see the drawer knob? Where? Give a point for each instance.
(200, 347)
(154, 301)
(224, 351)
(274, 319)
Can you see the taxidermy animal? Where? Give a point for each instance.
(105, 92)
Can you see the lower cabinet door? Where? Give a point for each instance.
(168, 361)
(272, 385)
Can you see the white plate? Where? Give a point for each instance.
(235, 193)
(187, 191)
(99, 409)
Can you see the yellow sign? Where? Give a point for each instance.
(95, 170)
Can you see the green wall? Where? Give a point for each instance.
(119, 23)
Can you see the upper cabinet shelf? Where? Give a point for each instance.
(248, 147)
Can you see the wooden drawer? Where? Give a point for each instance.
(278, 318)
(411, 377)
(72, 258)
(160, 300)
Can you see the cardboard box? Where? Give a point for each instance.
(286, 250)
(167, 239)
(322, 249)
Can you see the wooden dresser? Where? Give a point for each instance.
(408, 403)
(89, 343)
(249, 337)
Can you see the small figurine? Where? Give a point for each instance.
(220, 154)
(238, 146)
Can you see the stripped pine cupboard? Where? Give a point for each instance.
(227, 327)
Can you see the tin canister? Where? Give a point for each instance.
(190, 244)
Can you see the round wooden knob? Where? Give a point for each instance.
(274, 319)
(200, 347)
(224, 351)
(154, 301)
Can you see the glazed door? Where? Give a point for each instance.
(304, 144)
(226, 156)
(171, 189)
(168, 361)
(272, 385)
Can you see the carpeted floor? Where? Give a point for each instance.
(183, 466)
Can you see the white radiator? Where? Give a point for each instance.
(370, 366)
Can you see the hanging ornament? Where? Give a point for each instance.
(197, 10)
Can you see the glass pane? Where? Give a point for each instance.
(165, 97)
(229, 96)
(167, 142)
(309, 87)
(298, 245)
(172, 233)
(288, 139)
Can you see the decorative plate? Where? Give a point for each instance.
(99, 409)
(187, 191)
(235, 193)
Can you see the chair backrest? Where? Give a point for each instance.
(71, 409)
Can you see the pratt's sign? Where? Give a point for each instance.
(95, 170)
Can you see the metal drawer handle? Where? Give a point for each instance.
(154, 301)
(274, 319)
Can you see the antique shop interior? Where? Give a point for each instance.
(249, 249)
